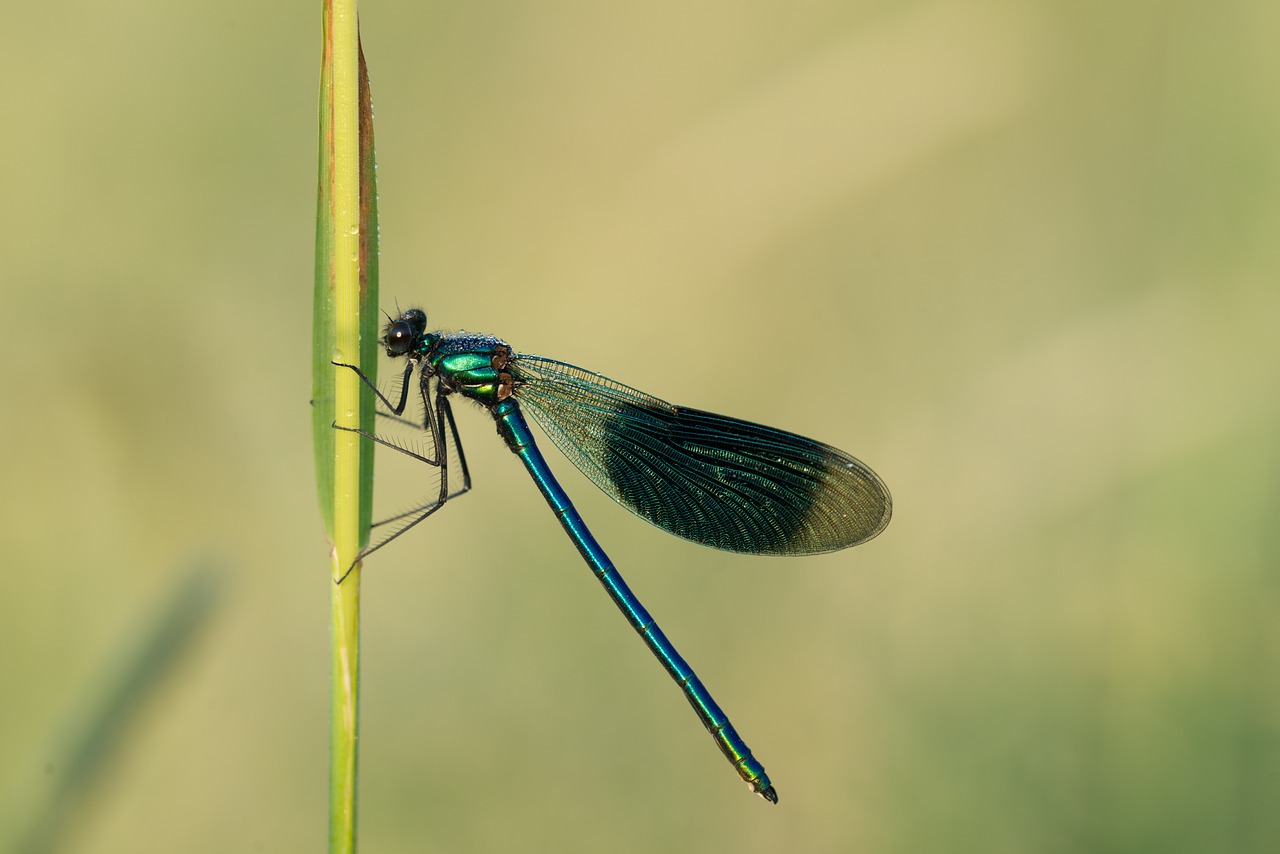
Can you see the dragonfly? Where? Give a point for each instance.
(715, 480)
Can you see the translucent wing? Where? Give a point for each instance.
(715, 480)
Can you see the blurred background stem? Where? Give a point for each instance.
(102, 720)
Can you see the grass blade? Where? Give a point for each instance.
(344, 329)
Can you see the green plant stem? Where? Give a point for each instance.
(344, 718)
(346, 227)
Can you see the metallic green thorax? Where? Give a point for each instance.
(475, 366)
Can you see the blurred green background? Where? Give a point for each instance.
(1020, 257)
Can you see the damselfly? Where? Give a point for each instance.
(715, 480)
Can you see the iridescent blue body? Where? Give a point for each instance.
(712, 479)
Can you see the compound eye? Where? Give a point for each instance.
(399, 338)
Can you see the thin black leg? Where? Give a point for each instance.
(404, 386)
(438, 420)
(450, 434)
